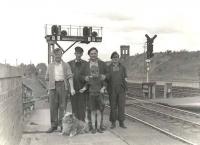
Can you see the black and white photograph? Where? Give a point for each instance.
(99, 72)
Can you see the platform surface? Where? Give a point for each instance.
(135, 134)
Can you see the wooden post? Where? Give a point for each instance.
(168, 90)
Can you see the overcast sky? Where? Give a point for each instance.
(124, 22)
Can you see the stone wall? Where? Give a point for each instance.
(11, 113)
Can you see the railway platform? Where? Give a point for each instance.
(135, 134)
(190, 103)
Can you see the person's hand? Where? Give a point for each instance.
(103, 77)
(102, 90)
(48, 92)
(72, 92)
(126, 94)
(87, 78)
(82, 90)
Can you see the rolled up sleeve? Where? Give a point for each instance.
(47, 74)
(68, 71)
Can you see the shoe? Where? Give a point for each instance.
(90, 127)
(94, 131)
(50, 130)
(121, 124)
(113, 125)
(61, 129)
(102, 127)
(99, 130)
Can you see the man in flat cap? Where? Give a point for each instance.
(78, 101)
(59, 77)
(95, 61)
(117, 89)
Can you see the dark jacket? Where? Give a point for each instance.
(111, 81)
(103, 68)
(78, 69)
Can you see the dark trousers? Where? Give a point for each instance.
(78, 102)
(117, 104)
(88, 109)
(57, 103)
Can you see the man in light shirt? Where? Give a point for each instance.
(60, 82)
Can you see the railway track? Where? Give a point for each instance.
(177, 123)
(171, 111)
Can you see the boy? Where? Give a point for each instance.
(96, 105)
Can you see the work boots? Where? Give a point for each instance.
(121, 124)
(51, 129)
(113, 125)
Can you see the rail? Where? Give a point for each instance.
(168, 120)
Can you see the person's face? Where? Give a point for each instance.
(58, 56)
(95, 72)
(93, 55)
(78, 55)
(115, 59)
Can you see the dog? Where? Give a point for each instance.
(72, 126)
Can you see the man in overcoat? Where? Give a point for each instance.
(78, 101)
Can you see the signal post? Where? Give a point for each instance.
(149, 87)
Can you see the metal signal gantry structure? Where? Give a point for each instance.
(82, 34)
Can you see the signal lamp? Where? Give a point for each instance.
(94, 34)
(63, 33)
(54, 30)
(86, 31)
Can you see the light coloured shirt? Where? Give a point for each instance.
(77, 60)
(59, 75)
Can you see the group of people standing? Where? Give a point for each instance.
(86, 82)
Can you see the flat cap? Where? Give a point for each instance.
(114, 54)
(78, 49)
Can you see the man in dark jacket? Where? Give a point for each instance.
(116, 90)
(78, 101)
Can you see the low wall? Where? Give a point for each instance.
(177, 91)
(11, 113)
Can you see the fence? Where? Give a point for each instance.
(11, 112)
(28, 101)
(177, 91)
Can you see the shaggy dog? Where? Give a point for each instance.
(72, 126)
